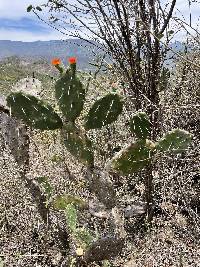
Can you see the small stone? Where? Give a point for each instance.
(79, 252)
(136, 209)
(98, 210)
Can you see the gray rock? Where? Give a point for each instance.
(135, 209)
(14, 135)
(3, 102)
(98, 210)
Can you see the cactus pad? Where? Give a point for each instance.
(105, 248)
(70, 94)
(101, 185)
(33, 111)
(175, 141)
(62, 201)
(132, 158)
(71, 217)
(83, 237)
(104, 111)
(78, 144)
(140, 125)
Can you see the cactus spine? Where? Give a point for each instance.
(175, 141)
(33, 111)
(140, 125)
(137, 155)
(104, 111)
(70, 94)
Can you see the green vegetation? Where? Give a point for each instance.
(101, 168)
(70, 94)
(13, 69)
(33, 112)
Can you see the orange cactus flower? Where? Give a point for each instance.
(72, 60)
(55, 61)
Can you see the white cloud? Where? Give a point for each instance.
(183, 10)
(26, 36)
(16, 9)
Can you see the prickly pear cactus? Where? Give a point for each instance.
(71, 216)
(140, 125)
(68, 203)
(132, 158)
(62, 201)
(175, 141)
(83, 237)
(104, 249)
(70, 94)
(33, 111)
(77, 143)
(102, 186)
(104, 111)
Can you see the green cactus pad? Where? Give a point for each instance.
(78, 144)
(33, 111)
(104, 111)
(62, 201)
(140, 125)
(84, 237)
(70, 94)
(175, 141)
(132, 158)
(71, 217)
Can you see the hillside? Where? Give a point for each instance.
(84, 51)
(47, 49)
(13, 69)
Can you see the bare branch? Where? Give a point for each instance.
(166, 22)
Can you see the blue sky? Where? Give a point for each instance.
(17, 24)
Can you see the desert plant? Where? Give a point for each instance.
(143, 152)
(139, 154)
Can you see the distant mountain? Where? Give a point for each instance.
(84, 51)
